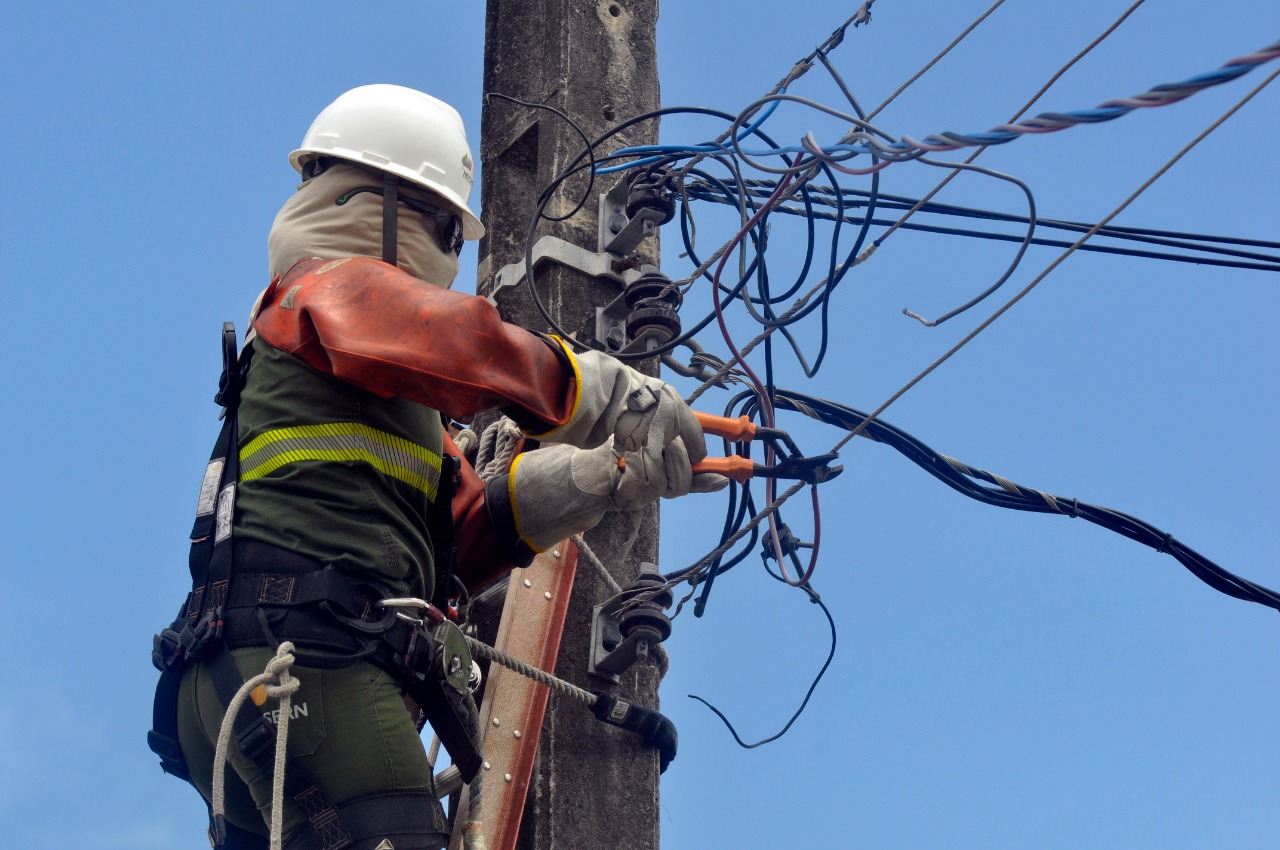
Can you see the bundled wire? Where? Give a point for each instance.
(1196, 248)
(868, 141)
(1006, 494)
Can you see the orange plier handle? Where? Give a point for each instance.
(738, 430)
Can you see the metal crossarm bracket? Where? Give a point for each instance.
(554, 249)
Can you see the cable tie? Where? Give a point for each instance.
(1163, 548)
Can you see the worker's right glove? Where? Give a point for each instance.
(561, 490)
(634, 409)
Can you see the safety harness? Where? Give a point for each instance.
(254, 594)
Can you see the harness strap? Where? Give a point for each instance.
(163, 736)
(211, 556)
(411, 820)
(444, 541)
(390, 217)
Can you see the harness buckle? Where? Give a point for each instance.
(258, 741)
(205, 636)
(166, 650)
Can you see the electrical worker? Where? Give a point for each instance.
(335, 487)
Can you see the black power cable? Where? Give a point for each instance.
(1006, 494)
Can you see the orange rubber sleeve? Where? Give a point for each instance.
(376, 327)
(740, 469)
(738, 430)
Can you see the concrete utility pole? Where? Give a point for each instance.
(596, 61)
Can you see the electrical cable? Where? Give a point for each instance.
(935, 60)
(1048, 122)
(1176, 239)
(1160, 172)
(831, 654)
(587, 146)
(1016, 115)
(962, 478)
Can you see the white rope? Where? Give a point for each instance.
(280, 684)
(498, 446)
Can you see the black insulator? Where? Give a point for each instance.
(651, 197)
(651, 315)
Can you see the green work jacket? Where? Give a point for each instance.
(336, 473)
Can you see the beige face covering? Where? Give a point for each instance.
(310, 225)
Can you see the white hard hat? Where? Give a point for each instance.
(401, 131)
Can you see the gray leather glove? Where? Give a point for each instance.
(561, 490)
(616, 401)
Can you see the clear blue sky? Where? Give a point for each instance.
(1003, 679)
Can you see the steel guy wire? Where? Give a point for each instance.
(935, 60)
(978, 152)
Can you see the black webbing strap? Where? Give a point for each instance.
(163, 735)
(409, 819)
(211, 555)
(198, 627)
(444, 543)
(390, 217)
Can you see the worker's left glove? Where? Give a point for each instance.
(560, 491)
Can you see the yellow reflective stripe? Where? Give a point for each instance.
(515, 506)
(338, 429)
(342, 442)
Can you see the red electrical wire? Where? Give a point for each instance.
(766, 404)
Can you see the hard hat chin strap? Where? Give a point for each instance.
(390, 214)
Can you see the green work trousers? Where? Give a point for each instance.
(348, 726)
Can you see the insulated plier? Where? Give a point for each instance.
(792, 464)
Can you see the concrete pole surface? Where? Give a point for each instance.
(596, 61)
